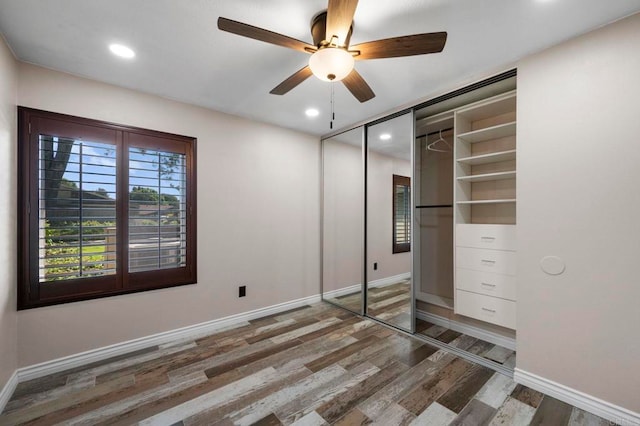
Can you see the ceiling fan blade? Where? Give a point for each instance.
(261, 34)
(339, 18)
(416, 44)
(291, 82)
(358, 87)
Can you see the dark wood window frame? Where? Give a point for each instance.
(400, 247)
(31, 293)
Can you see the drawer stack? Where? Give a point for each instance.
(485, 273)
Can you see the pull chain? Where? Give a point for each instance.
(333, 114)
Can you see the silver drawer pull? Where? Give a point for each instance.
(488, 261)
(493, 311)
(488, 285)
(487, 238)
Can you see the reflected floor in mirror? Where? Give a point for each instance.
(391, 303)
(490, 351)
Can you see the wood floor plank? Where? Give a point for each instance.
(496, 390)
(457, 397)
(394, 415)
(270, 420)
(340, 354)
(286, 377)
(300, 407)
(299, 355)
(448, 336)
(265, 406)
(418, 355)
(330, 329)
(220, 359)
(249, 358)
(60, 407)
(582, 418)
(513, 412)
(434, 415)
(49, 395)
(402, 386)
(474, 413)
(335, 408)
(353, 417)
(311, 419)
(159, 366)
(151, 408)
(434, 331)
(527, 395)
(552, 412)
(499, 354)
(111, 409)
(276, 331)
(299, 332)
(431, 390)
(213, 399)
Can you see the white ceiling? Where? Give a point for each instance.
(182, 55)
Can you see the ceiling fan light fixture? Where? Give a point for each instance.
(331, 63)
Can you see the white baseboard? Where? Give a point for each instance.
(589, 403)
(7, 390)
(189, 332)
(356, 288)
(470, 330)
(383, 282)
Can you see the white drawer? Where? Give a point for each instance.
(483, 260)
(489, 283)
(486, 308)
(497, 237)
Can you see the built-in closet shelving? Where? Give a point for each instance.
(485, 210)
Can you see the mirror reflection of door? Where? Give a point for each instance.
(388, 241)
(343, 220)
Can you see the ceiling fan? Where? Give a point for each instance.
(332, 58)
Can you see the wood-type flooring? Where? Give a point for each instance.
(314, 365)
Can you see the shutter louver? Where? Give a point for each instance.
(77, 209)
(157, 210)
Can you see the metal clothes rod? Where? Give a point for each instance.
(434, 133)
(435, 206)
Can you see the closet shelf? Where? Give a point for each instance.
(489, 133)
(504, 201)
(494, 157)
(488, 176)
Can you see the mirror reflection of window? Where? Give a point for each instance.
(401, 214)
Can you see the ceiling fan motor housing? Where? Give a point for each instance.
(319, 30)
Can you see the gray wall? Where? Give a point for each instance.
(8, 172)
(258, 219)
(578, 198)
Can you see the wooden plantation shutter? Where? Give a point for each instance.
(401, 214)
(104, 209)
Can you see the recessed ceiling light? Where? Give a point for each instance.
(122, 51)
(385, 136)
(312, 112)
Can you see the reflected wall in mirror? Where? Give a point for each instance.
(343, 219)
(389, 289)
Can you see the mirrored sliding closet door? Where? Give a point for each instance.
(343, 220)
(389, 222)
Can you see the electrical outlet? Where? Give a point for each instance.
(242, 291)
(375, 266)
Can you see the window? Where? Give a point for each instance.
(104, 209)
(401, 214)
